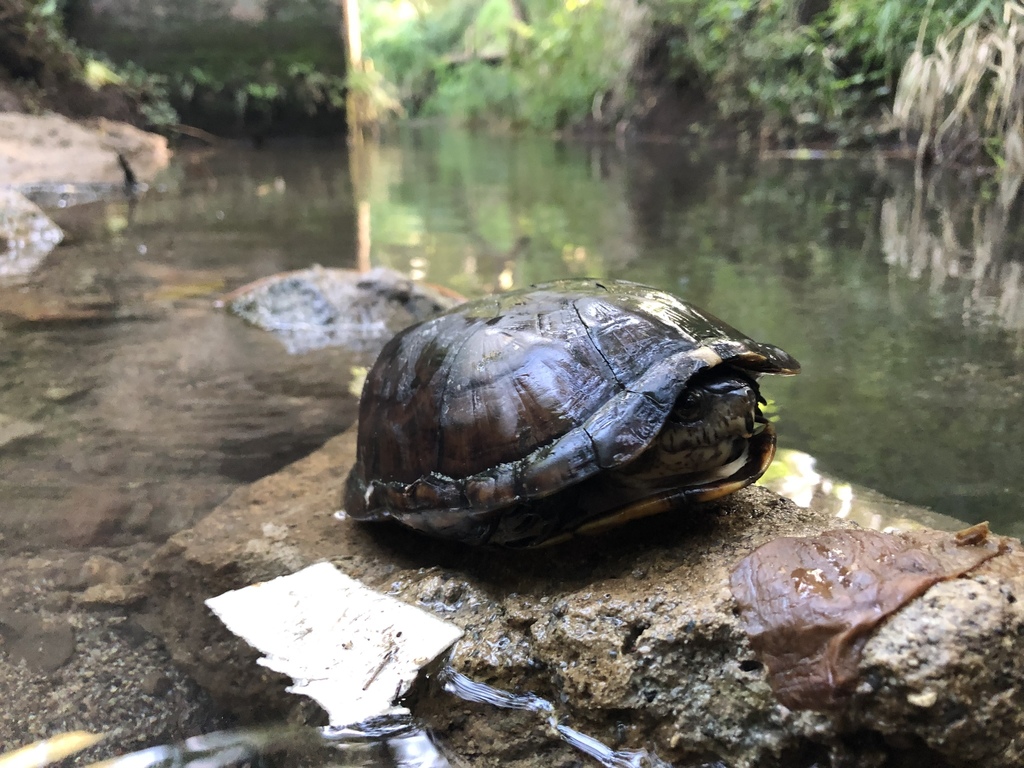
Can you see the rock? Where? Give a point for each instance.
(64, 395)
(155, 684)
(109, 595)
(86, 516)
(119, 681)
(315, 308)
(108, 583)
(954, 656)
(27, 235)
(100, 569)
(634, 636)
(44, 308)
(54, 149)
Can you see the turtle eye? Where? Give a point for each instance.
(690, 406)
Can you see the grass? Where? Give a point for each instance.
(965, 99)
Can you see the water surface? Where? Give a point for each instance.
(904, 307)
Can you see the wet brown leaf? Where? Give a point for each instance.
(810, 604)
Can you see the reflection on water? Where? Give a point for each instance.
(958, 244)
(409, 746)
(794, 475)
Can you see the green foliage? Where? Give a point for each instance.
(567, 52)
(407, 46)
(804, 69)
(298, 85)
(148, 91)
(477, 61)
(33, 45)
(37, 50)
(476, 93)
(965, 98)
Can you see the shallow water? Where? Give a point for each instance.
(904, 309)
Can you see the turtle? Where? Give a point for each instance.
(527, 417)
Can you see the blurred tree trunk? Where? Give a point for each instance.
(353, 64)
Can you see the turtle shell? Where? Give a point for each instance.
(496, 421)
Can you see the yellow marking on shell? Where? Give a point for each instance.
(634, 511)
(708, 355)
(658, 504)
(559, 539)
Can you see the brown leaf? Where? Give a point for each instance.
(810, 604)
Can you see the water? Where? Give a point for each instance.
(130, 405)
(906, 314)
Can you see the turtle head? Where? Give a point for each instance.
(707, 435)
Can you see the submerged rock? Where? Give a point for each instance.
(14, 430)
(27, 235)
(317, 307)
(634, 636)
(42, 644)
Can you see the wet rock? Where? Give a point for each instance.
(41, 308)
(100, 569)
(634, 636)
(87, 515)
(316, 308)
(155, 684)
(119, 680)
(64, 395)
(108, 583)
(27, 235)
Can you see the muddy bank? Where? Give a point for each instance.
(634, 637)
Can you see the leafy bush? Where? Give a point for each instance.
(965, 98)
(478, 61)
(804, 69)
(799, 71)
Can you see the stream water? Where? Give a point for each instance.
(130, 405)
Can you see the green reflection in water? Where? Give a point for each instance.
(902, 309)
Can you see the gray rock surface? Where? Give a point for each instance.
(633, 636)
(27, 235)
(53, 149)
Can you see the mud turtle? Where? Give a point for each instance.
(569, 407)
